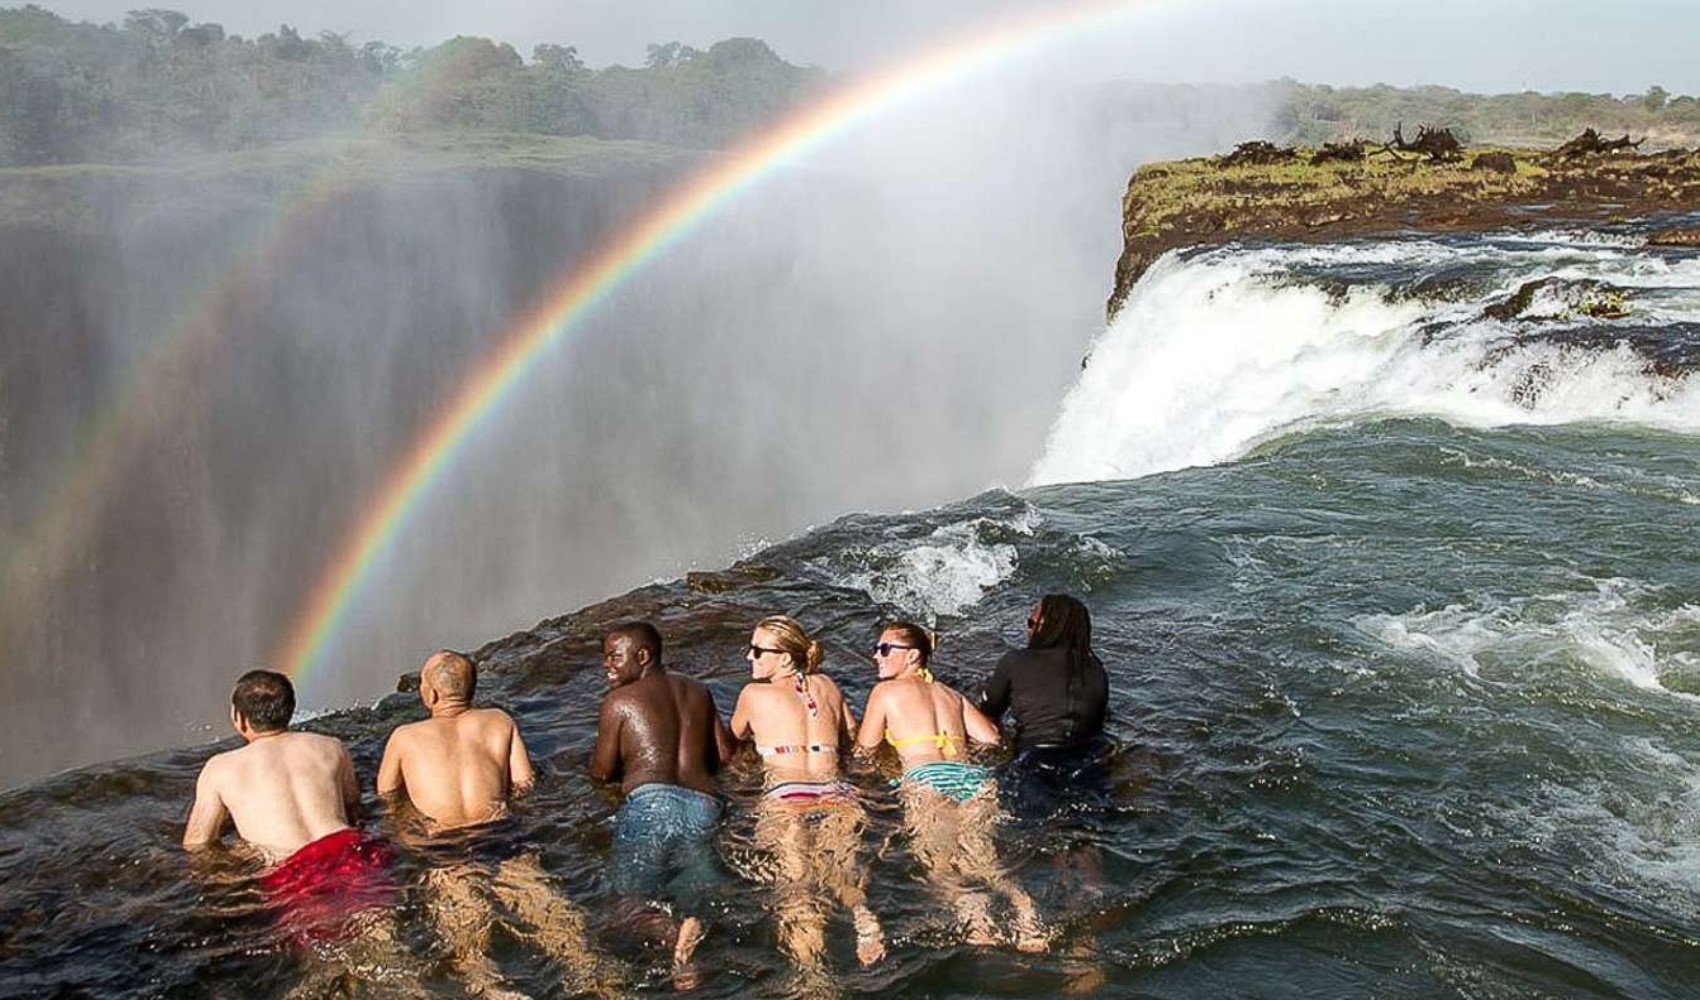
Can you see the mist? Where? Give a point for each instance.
(889, 324)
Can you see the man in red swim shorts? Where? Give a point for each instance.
(292, 795)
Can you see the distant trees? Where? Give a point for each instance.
(159, 84)
(1312, 114)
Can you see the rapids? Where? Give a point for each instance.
(1402, 619)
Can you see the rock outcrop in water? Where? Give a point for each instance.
(1260, 192)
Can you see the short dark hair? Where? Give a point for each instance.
(265, 698)
(643, 634)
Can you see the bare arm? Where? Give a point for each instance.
(994, 697)
(605, 759)
(521, 777)
(725, 747)
(208, 815)
(741, 716)
(350, 786)
(873, 723)
(390, 780)
(981, 729)
(847, 726)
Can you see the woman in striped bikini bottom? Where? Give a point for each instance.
(809, 822)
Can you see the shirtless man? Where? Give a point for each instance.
(660, 735)
(292, 795)
(950, 806)
(460, 766)
(458, 769)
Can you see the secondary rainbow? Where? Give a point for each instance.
(586, 286)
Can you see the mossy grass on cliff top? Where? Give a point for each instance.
(1214, 200)
(1162, 193)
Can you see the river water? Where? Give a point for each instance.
(1400, 608)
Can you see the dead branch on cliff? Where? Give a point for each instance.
(1257, 153)
(1438, 144)
(1591, 143)
(1339, 152)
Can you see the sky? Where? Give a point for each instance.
(1612, 46)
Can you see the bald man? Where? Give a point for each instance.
(459, 768)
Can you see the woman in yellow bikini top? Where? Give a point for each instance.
(928, 723)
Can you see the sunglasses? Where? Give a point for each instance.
(885, 648)
(756, 650)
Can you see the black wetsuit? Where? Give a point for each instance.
(1034, 682)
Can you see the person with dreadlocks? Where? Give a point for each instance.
(950, 804)
(1056, 687)
(809, 819)
(1059, 693)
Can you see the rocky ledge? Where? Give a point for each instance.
(1261, 192)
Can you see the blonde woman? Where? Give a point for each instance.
(950, 805)
(809, 820)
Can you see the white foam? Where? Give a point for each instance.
(1648, 838)
(1608, 630)
(948, 572)
(1218, 352)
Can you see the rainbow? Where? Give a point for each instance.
(585, 287)
(149, 399)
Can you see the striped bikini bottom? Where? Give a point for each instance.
(811, 794)
(951, 778)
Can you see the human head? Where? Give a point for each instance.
(447, 677)
(629, 649)
(902, 646)
(263, 702)
(1059, 620)
(780, 646)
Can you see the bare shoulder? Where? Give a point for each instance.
(320, 744)
(218, 765)
(618, 701)
(690, 685)
(405, 732)
(496, 720)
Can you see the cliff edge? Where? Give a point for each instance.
(1263, 193)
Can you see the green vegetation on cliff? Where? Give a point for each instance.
(1293, 196)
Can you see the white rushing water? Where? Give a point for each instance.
(1219, 351)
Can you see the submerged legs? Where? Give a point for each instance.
(954, 842)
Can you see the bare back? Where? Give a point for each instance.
(283, 791)
(795, 743)
(457, 770)
(924, 721)
(659, 729)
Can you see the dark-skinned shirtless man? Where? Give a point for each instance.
(660, 735)
(459, 769)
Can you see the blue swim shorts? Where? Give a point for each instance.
(663, 847)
